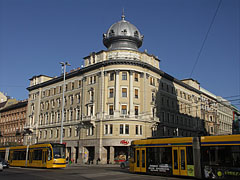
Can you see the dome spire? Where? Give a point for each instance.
(123, 16)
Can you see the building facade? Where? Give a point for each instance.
(12, 121)
(120, 95)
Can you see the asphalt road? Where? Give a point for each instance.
(76, 173)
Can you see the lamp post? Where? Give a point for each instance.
(64, 64)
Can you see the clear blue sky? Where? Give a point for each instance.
(35, 35)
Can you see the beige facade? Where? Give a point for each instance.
(120, 95)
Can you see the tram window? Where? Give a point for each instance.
(19, 155)
(183, 160)
(2, 155)
(159, 155)
(37, 154)
(175, 159)
(138, 158)
(143, 158)
(49, 154)
(217, 156)
(189, 155)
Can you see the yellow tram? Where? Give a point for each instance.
(211, 157)
(52, 155)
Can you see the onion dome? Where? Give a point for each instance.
(123, 35)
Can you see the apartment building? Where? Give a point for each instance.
(12, 121)
(120, 95)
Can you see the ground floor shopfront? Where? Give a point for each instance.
(105, 151)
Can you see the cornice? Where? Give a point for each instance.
(109, 63)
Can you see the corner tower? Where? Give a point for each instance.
(123, 35)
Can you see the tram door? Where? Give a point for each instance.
(44, 157)
(179, 161)
(140, 157)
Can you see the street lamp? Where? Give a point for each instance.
(64, 64)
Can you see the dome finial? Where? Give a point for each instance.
(123, 16)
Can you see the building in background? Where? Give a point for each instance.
(118, 96)
(236, 121)
(12, 121)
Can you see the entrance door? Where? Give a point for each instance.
(179, 161)
(140, 156)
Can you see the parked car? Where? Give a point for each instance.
(4, 163)
(124, 164)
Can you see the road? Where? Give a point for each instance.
(76, 173)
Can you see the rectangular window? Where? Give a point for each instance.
(79, 83)
(63, 134)
(136, 129)
(111, 93)
(124, 92)
(106, 129)
(124, 75)
(136, 110)
(110, 109)
(111, 129)
(136, 93)
(126, 129)
(121, 128)
(136, 77)
(111, 78)
(124, 109)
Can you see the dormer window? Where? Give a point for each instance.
(124, 31)
(136, 34)
(112, 33)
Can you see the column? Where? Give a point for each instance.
(116, 105)
(111, 161)
(131, 94)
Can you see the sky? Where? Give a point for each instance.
(35, 35)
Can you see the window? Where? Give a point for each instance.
(51, 133)
(111, 78)
(78, 98)
(90, 131)
(153, 97)
(72, 85)
(108, 129)
(136, 77)
(79, 83)
(126, 129)
(136, 110)
(136, 129)
(70, 132)
(76, 132)
(57, 133)
(110, 109)
(111, 93)
(77, 114)
(71, 99)
(152, 81)
(136, 93)
(124, 92)
(124, 75)
(124, 109)
(63, 133)
(121, 128)
(71, 115)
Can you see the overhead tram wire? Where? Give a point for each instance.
(206, 36)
